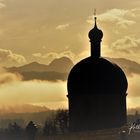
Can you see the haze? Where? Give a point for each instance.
(42, 30)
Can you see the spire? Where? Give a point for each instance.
(95, 18)
(95, 36)
(95, 25)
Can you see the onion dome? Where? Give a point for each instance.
(95, 34)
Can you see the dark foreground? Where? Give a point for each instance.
(112, 134)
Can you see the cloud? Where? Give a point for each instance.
(126, 47)
(22, 108)
(51, 94)
(51, 55)
(37, 55)
(119, 17)
(8, 78)
(62, 26)
(128, 44)
(2, 5)
(7, 57)
(134, 88)
(43, 58)
(14, 91)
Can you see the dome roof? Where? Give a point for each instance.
(96, 76)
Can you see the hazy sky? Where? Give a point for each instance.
(41, 30)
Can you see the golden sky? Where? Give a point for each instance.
(42, 30)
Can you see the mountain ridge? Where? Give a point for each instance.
(61, 65)
(59, 68)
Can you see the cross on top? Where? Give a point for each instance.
(95, 18)
(95, 12)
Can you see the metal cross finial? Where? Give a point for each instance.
(95, 12)
(95, 17)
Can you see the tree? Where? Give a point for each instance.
(49, 128)
(14, 130)
(31, 130)
(62, 120)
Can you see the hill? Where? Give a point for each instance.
(60, 65)
(58, 69)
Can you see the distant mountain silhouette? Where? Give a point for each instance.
(62, 65)
(58, 69)
(130, 67)
(49, 76)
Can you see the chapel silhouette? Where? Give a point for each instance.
(96, 91)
